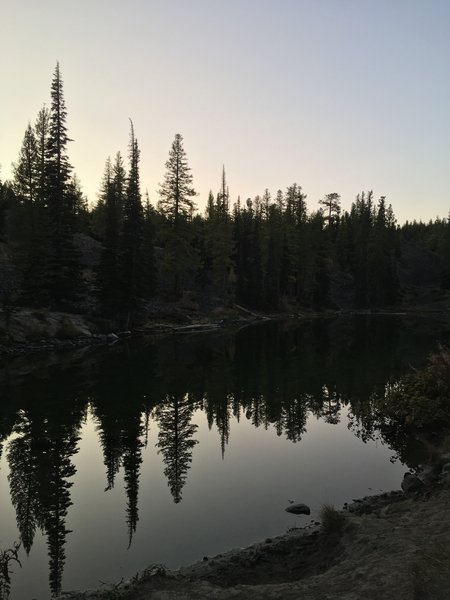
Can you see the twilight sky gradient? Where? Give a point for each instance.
(337, 95)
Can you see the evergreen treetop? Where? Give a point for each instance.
(176, 192)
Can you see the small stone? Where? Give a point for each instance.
(298, 509)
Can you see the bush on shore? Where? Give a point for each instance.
(420, 399)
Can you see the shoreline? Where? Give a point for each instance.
(69, 331)
(394, 545)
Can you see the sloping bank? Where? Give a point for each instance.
(391, 546)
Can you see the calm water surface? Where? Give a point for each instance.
(189, 446)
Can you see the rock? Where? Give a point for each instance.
(444, 459)
(298, 509)
(411, 483)
(428, 474)
(446, 468)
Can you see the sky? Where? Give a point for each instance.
(336, 95)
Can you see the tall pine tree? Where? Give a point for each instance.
(133, 271)
(64, 272)
(177, 205)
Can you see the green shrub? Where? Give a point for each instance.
(422, 398)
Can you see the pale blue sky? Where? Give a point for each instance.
(337, 95)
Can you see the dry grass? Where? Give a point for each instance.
(332, 520)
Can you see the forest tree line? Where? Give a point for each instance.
(267, 252)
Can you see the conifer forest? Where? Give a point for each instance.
(271, 252)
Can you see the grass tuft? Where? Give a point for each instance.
(333, 521)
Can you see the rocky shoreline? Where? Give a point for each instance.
(391, 546)
(37, 331)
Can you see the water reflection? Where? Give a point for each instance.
(175, 440)
(40, 478)
(275, 375)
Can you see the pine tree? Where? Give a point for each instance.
(150, 279)
(219, 234)
(25, 184)
(177, 205)
(132, 259)
(176, 192)
(249, 284)
(296, 248)
(64, 272)
(31, 222)
(25, 170)
(444, 253)
(332, 207)
(109, 279)
(78, 205)
(272, 256)
(42, 131)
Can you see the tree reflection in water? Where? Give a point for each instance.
(275, 375)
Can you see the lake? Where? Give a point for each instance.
(169, 450)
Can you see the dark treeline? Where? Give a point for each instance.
(266, 252)
(275, 376)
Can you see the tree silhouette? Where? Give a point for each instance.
(176, 204)
(132, 258)
(41, 470)
(25, 170)
(132, 460)
(24, 482)
(219, 238)
(175, 441)
(109, 280)
(64, 274)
